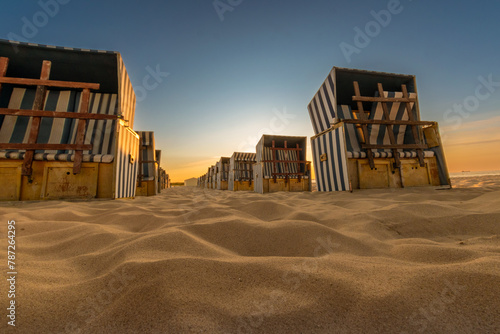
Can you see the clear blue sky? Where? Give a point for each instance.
(226, 77)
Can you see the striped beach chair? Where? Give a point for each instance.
(376, 138)
(147, 177)
(222, 173)
(72, 136)
(281, 164)
(240, 176)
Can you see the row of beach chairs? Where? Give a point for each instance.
(279, 164)
(368, 134)
(66, 127)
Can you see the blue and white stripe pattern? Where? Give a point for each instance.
(378, 133)
(332, 174)
(322, 106)
(241, 164)
(127, 95)
(126, 167)
(382, 154)
(99, 133)
(281, 167)
(351, 133)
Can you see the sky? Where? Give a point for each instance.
(231, 70)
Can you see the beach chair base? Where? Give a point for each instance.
(243, 186)
(55, 180)
(146, 188)
(222, 185)
(384, 175)
(291, 185)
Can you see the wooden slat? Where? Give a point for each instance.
(15, 146)
(54, 114)
(50, 83)
(392, 122)
(383, 99)
(401, 146)
(38, 104)
(363, 117)
(4, 63)
(413, 127)
(389, 128)
(80, 133)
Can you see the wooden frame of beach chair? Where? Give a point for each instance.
(388, 147)
(147, 174)
(240, 176)
(64, 124)
(281, 164)
(223, 173)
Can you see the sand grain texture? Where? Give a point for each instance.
(205, 261)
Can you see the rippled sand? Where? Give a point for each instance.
(192, 260)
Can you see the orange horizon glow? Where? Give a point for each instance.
(473, 146)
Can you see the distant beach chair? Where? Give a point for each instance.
(210, 184)
(147, 178)
(281, 164)
(369, 134)
(160, 172)
(222, 173)
(162, 179)
(240, 176)
(66, 118)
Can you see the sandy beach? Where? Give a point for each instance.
(208, 261)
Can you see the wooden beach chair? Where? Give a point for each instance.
(369, 134)
(66, 118)
(281, 164)
(147, 178)
(240, 176)
(222, 173)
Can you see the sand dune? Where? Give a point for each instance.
(194, 261)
